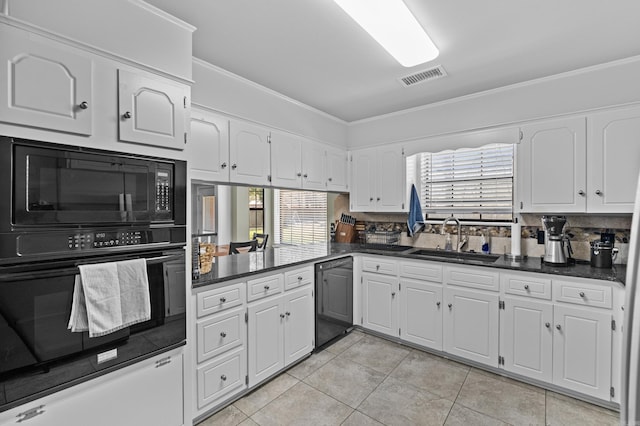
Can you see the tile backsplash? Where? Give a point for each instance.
(580, 229)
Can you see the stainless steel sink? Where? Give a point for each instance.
(460, 256)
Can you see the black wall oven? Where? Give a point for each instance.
(64, 206)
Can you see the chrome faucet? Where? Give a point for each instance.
(459, 243)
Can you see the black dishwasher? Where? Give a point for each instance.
(334, 300)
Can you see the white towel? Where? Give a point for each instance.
(110, 296)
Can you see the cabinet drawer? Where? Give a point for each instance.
(421, 271)
(582, 293)
(298, 277)
(263, 287)
(221, 377)
(481, 278)
(220, 333)
(526, 285)
(212, 301)
(380, 266)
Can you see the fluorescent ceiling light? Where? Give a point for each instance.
(392, 25)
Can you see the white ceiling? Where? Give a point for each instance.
(311, 51)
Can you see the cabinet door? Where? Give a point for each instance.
(390, 176)
(527, 338)
(286, 160)
(313, 166)
(46, 85)
(336, 170)
(208, 147)
(421, 313)
(221, 377)
(266, 339)
(174, 288)
(471, 325)
(363, 182)
(336, 303)
(552, 159)
(614, 161)
(298, 324)
(152, 110)
(582, 350)
(249, 153)
(380, 309)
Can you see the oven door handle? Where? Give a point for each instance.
(49, 273)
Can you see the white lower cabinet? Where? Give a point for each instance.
(146, 393)
(471, 325)
(421, 313)
(280, 332)
(221, 377)
(582, 350)
(380, 307)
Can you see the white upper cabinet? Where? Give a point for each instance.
(286, 155)
(249, 154)
(46, 84)
(613, 155)
(152, 110)
(336, 166)
(208, 147)
(378, 180)
(552, 166)
(314, 158)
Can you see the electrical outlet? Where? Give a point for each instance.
(540, 237)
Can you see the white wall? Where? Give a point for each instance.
(609, 84)
(230, 94)
(132, 29)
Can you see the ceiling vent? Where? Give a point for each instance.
(422, 76)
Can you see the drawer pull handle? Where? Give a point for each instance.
(558, 327)
(582, 294)
(223, 378)
(266, 287)
(546, 324)
(281, 315)
(223, 334)
(162, 362)
(526, 286)
(29, 414)
(223, 299)
(299, 278)
(450, 305)
(377, 267)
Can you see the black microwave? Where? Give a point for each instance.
(53, 185)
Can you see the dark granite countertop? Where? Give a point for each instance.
(238, 266)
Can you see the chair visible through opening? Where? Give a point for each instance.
(261, 239)
(235, 245)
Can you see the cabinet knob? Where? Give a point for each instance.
(223, 378)
(598, 192)
(83, 105)
(223, 334)
(581, 193)
(393, 294)
(582, 294)
(223, 299)
(526, 286)
(370, 198)
(378, 199)
(288, 313)
(281, 315)
(438, 304)
(223, 165)
(266, 287)
(546, 324)
(305, 176)
(558, 327)
(234, 166)
(377, 267)
(299, 174)
(330, 179)
(126, 115)
(299, 278)
(450, 305)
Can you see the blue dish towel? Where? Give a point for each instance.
(415, 222)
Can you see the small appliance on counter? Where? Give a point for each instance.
(603, 254)
(554, 247)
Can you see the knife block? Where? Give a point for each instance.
(345, 233)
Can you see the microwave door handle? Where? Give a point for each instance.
(31, 275)
(165, 258)
(123, 212)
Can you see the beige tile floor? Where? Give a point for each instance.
(365, 380)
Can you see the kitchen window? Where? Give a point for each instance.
(300, 217)
(472, 183)
(256, 211)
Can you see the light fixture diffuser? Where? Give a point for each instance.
(394, 27)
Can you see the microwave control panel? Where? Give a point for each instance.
(105, 239)
(163, 191)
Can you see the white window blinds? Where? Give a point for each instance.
(300, 217)
(468, 180)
